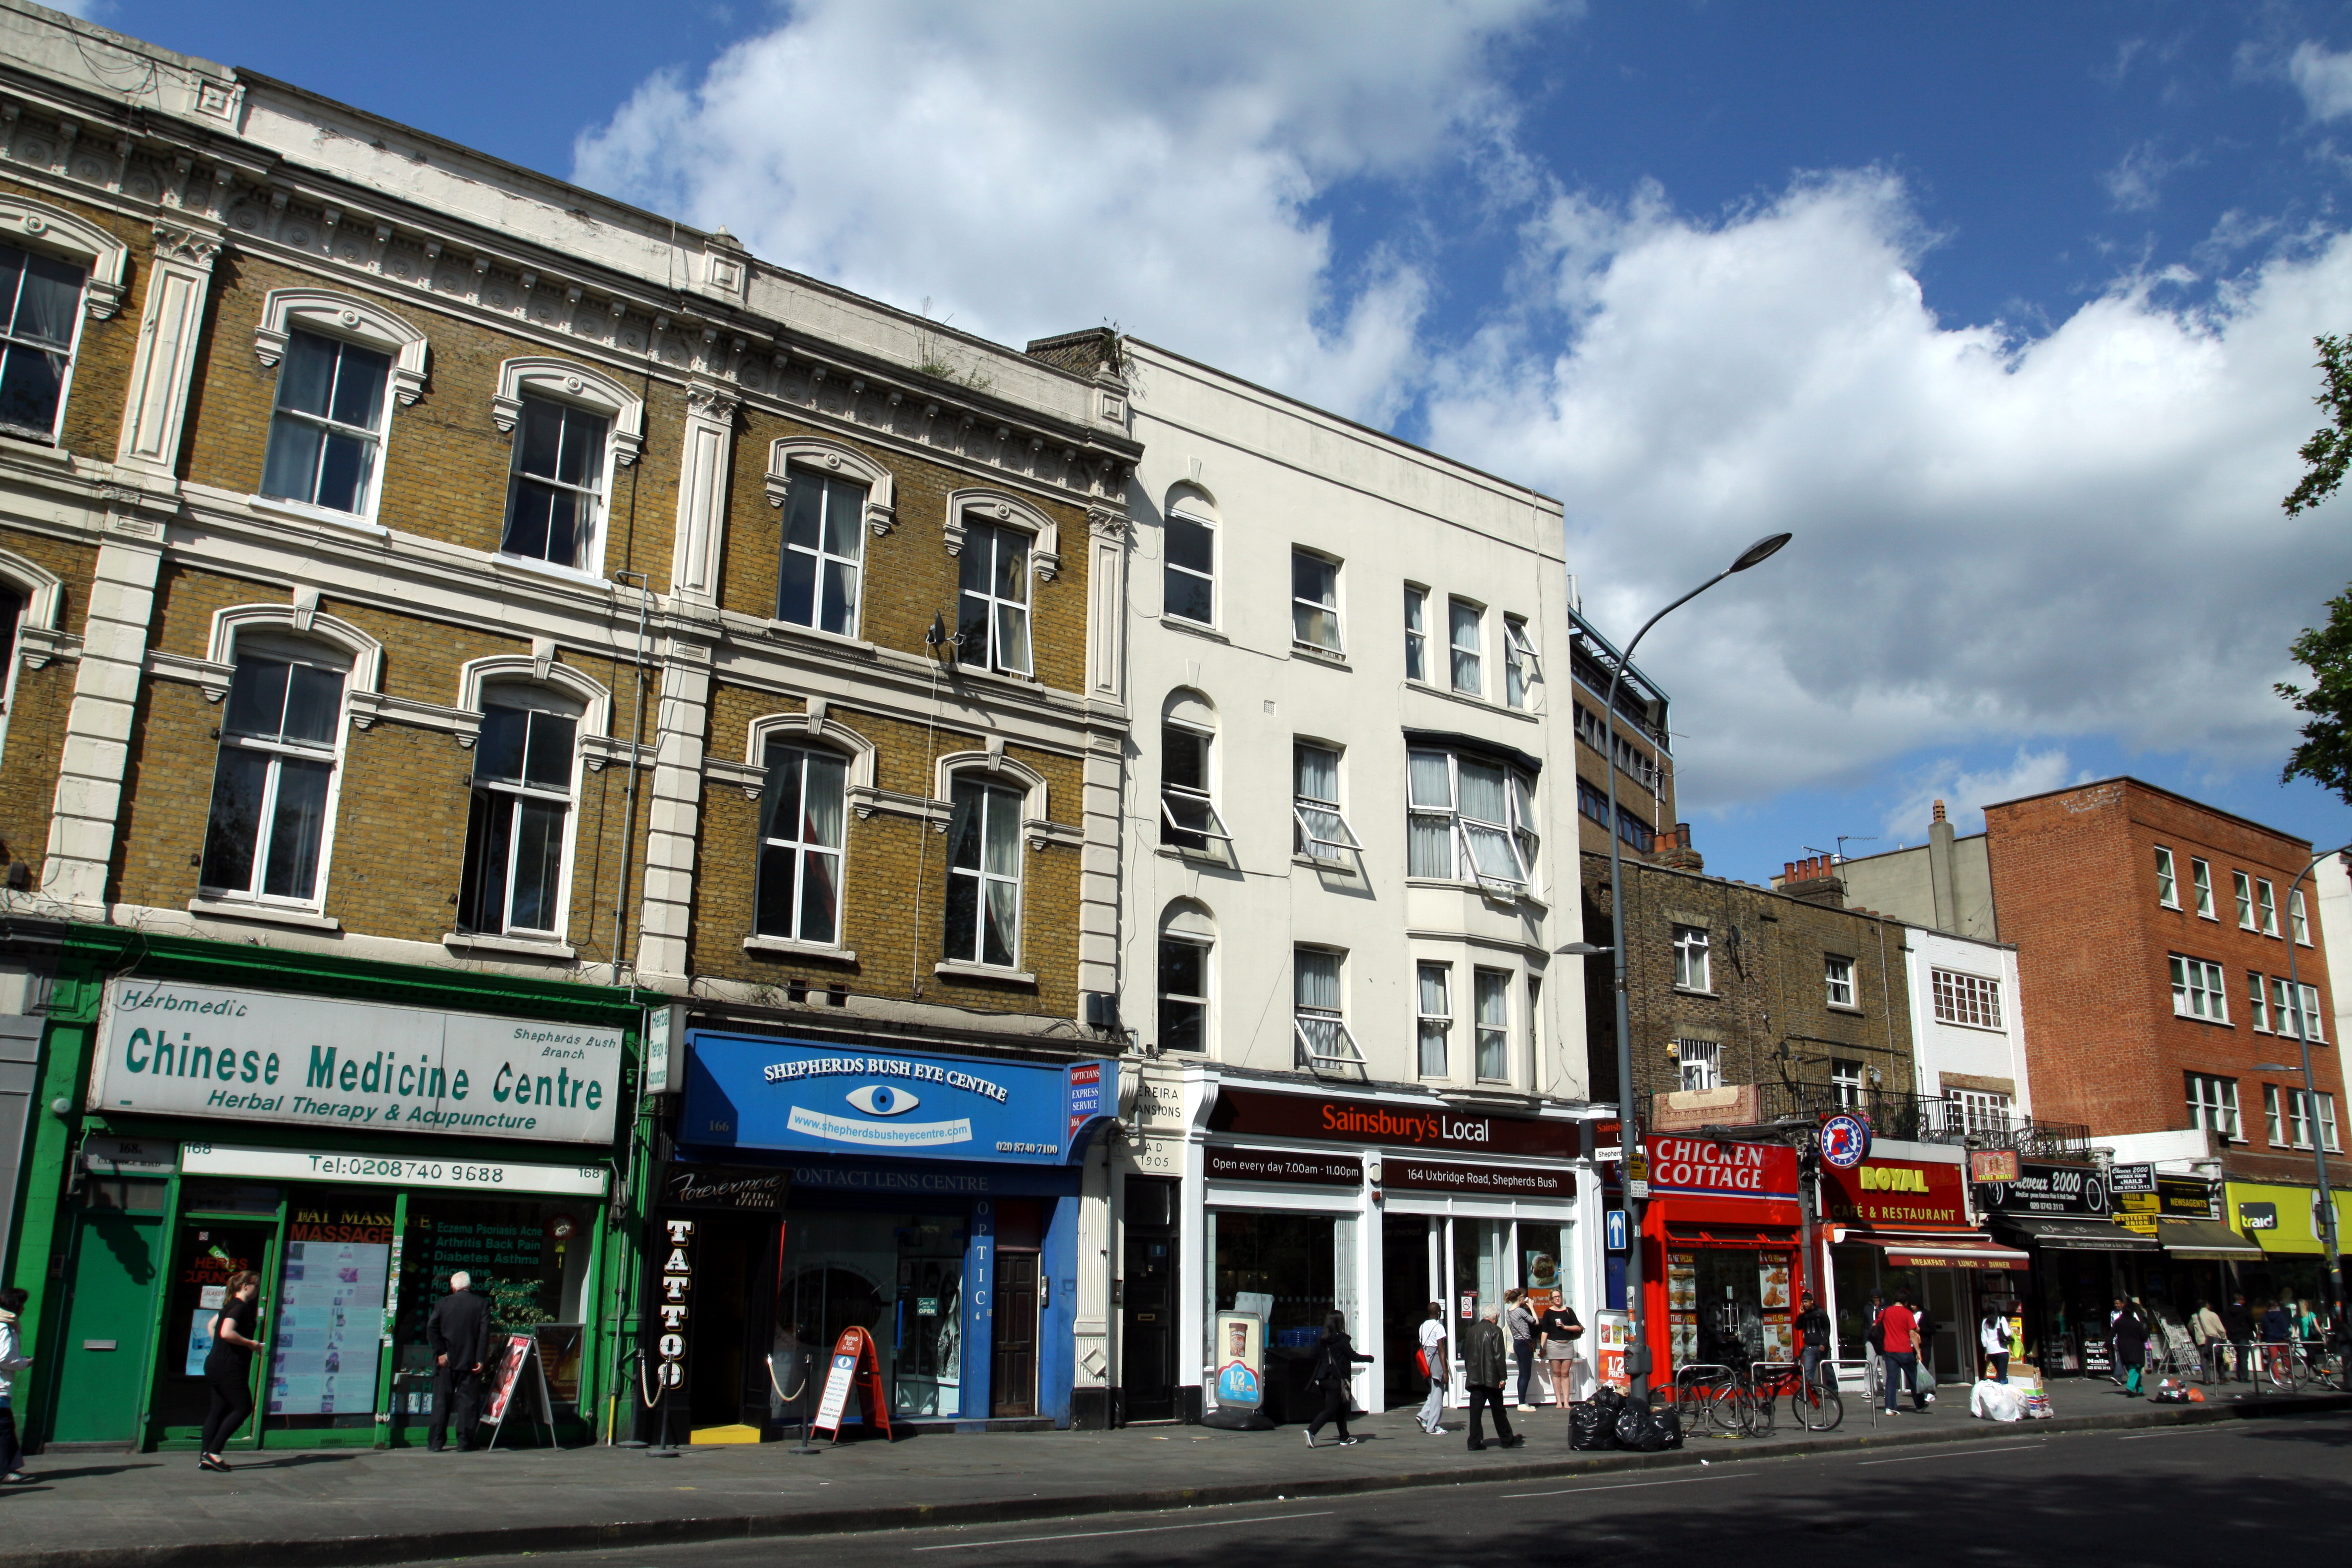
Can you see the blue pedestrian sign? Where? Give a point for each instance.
(1612, 1231)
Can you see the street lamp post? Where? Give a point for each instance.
(2327, 1240)
(1637, 1346)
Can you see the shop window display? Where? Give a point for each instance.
(530, 1259)
(901, 1278)
(327, 1333)
(1289, 1257)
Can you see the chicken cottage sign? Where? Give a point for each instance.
(1701, 1167)
(265, 1057)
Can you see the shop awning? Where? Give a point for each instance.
(1961, 1249)
(1770, 1238)
(2206, 1240)
(2074, 1235)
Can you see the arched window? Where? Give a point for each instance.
(802, 818)
(1187, 939)
(983, 901)
(999, 542)
(518, 828)
(572, 426)
(1189, 564)
(55, 268)
(342, 361)
(1188, 808)
(831, 497)
(273, 780)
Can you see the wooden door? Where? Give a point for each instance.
(1013, 1381)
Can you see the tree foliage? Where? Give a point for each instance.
(2329, 453)
(2325, 757)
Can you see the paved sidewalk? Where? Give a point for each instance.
(302, 1509)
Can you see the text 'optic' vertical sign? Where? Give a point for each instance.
(676, 1284)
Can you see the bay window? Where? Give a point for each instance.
(1469, 819)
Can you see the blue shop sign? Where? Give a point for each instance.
(746, 1092)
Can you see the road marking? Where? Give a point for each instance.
(1619, 1487)
(2005, 1448)
(2183, 1432)
(1140, 1529)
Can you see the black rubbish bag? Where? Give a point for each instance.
(1589, 1427)
(1637, 1431)
(1669, 1423)
(1607, 1398)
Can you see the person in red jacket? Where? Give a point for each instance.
(1900, 1325)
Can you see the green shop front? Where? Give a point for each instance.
(354, 1143)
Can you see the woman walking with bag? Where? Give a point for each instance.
(2130, 1332)
(1335, 1371)
(228, 1367)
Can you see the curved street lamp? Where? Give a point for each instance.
(2333, 1283)
(1637, 1346)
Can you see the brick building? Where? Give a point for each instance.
(1644, 751)
(445, 608)
(2155, 937)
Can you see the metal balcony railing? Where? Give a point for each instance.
(1926, 1119)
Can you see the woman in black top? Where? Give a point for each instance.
(228, 1367)
(1335, 1369)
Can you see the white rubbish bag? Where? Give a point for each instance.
(1993, 1401)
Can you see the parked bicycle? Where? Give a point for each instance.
(1815, 1403)
(1710, 1398)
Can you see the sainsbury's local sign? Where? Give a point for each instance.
(266, 1057)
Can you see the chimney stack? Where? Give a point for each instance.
(1939, 811)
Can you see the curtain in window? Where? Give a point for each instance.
(1485, 800)
(1318, 773)
(1429, 845)
(1493, 1024)
(1436, 1008)
(1318, 981)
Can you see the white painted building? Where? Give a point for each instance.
(1351, 844)
(1967, 1028)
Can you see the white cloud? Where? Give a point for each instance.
(1995, 540)
(2325, 79)
(1036, 167)
(2136, 182)
(1966, 794)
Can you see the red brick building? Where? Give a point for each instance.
(2153, 939)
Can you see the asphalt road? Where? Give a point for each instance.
(2265, 1491)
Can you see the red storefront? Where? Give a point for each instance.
(1722, 1245)
(1896, 1224)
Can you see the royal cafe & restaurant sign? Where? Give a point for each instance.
(265, 1057)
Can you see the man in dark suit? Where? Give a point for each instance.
(459, 1335)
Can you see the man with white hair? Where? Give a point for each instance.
(459, 1335)
(1485, 1362)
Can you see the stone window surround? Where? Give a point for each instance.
(996, 508)
(53, 230)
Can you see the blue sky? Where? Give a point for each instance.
(2004, 310)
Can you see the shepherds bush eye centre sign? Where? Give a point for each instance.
(265, 1057)
(744, 1092)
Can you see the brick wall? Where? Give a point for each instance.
(43, 700)
(2074, 877)
(1766, 977)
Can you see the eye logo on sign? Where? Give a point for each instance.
(881, 1100)
(1845, 1141)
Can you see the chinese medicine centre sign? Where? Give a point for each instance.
(1899, 1194)
(265, 1057)
(1700, 1167)
(1251, 1113)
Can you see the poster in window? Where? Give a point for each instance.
(330, 1325)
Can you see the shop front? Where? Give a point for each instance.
(1295, 1203)
(351, 1152)
(1900, 1221)
(934, 1203)
(2283, 1220)
(1722, 1253)
(2064, 1215)
(2183, 1216)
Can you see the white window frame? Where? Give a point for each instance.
(1314, 818)
(2266, 905)
(2297, 922)
(511, 794)
(591, 391)
(1694, 969)
(1329, 1024)
(2198, 986)
(1837, 979)
(2241, 886)
(2201, 878)
(1416, 633)
(42, 592)
(985, 534)
(2274, 1115)
(2168, 885)
(2213, 1105)
(2309, 1015)
(1461, 616)
(9, 342)
(803, 851)
(262, 642)
(1433, 1030)
(1522, 666)
(1970, 1001)
(2258, 1002)
(1200, 800)
(1982, 1110)
(826, 563)
(1169, 566)
(1207, 948)
(1338, 647)
(52, 231)
(1846, 1082)
(2282, 1006)
(1490, 1043)
(995, 793)
(1698, 1065)
(356, 319)
(1518, 805)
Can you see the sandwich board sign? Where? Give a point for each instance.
(854, 1363)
